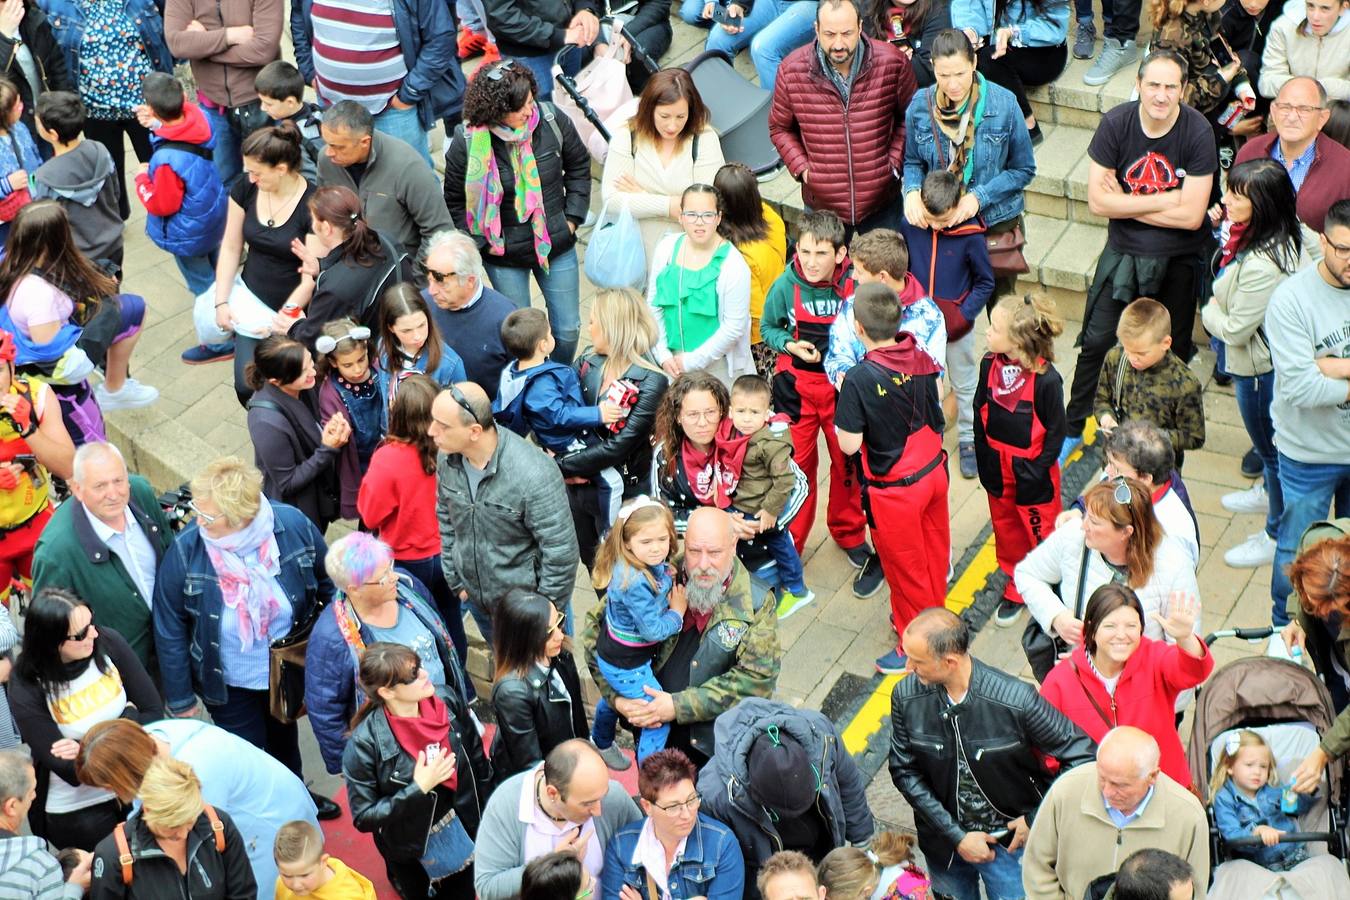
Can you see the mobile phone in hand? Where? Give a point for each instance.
(721, 17)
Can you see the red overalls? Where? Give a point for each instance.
(1018, 528)
(805, 386)
(25, 508)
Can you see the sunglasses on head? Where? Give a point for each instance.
(458, 396)
(1122, 494)
(497, 70)
(411, 677)
(327, 343)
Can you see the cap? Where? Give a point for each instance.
(781, 775)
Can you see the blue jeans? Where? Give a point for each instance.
(763, 14)
(542, 67)
(1254, 393)
(226, 154)
(1002, 876)
(404, 125)
(199, 272)
(472, 17)
(787, 562)
(429, 572)
(1309, 489)
(794, 27)
(627, 683)
(561, 287)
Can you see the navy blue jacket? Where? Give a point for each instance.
(547, 400)
(963, 274)
(426, 33)
(188, 604)
(711, 865)
(331, 692)
(67, 20)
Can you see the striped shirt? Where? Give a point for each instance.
(357, 55)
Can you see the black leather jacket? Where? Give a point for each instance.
(385, 800)
(533, 716)
(1004, 728)
(630, 450)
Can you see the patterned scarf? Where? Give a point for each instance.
(958, 123)
(714, 473)
(247, 564)
(483, 187)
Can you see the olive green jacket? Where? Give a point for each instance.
(1320, 647)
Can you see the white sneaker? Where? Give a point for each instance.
(1252, 500)
(132, 395)
(1276, 648)
(1257, 550)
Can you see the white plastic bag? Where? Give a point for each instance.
(615, 257)
(204, 318)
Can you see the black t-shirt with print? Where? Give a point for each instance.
(1146, 165)
(886, 408)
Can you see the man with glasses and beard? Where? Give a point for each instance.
(727, 649)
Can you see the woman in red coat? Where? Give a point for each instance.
(1119, 677)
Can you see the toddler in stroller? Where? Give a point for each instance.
(1248, 802)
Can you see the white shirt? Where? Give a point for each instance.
(133, 548)
(649, 854)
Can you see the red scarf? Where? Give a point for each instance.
(1237, 233)
(839, 280)
(430, 727)
(713, 474)
(904, 357)
(1007, 378)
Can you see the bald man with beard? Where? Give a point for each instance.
(727, 650)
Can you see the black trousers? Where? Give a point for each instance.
(411, 882)
(83, 828)
(1023, 67)
(1178, 293)
(1122, 17)
(111, 134)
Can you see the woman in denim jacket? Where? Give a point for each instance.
(245, 574)
(984, 140)
(679, 851)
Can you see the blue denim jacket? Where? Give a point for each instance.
(711, 865)
(636, 614)
(188, 604)
(1004, 164)
(1236, 815)
(1049, 28)
(67, 21)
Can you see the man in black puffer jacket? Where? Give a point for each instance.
(968, 744)
(782, 780)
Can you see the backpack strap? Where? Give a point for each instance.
(194, 149)
(550, 114)
(256, 402)
(217, 826)
(123, 852)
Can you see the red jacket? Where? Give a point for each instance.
(855, 153)
(398, 501)
(1328, 178)
(1146, 696)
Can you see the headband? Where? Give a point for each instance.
(639, 502)
(327, 344)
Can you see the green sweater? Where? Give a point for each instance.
(70, 555)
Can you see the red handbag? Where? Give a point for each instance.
(12, 202)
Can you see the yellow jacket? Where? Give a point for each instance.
(766, 258)
(346, 884)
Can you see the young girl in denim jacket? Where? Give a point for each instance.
(1246, 797)
(349, 383)
(643, 607)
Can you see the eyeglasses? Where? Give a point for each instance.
(206, 520)
(83, 632)
(1122, 494)
(1336, 250)
(463, 402)
(384, 580)
(327, 343)
(1280, 108)
(440, 277)
(704, 217)
(701, 417)
(675, 809)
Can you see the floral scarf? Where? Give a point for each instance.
(247, 564)
(958, 123)
(483, 187)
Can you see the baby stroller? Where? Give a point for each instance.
(1290, 708)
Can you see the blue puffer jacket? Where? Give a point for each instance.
(426, 33)
(1031, 28)
(331, 692)
(188, 604)
(67, 21)
(198, 226)
(711, 865)
(547, 400)
(1004, 164)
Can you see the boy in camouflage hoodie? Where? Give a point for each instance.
(1143, 379)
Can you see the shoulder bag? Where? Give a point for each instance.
(1043, 648)
(286, 670)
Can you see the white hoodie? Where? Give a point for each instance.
(1291, 51)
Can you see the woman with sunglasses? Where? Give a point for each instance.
(345, 265)
(536, 692)
(518, 180)
(416, 774)
(70, 676)
(659, 843)
(1118, 540)
(245, 574)
(374, 601)
(699, 291)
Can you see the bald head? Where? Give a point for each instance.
(461, 421)
(708, 523)
(942, 631)
(576, 780)
(1127, 767)
(709, 555)
(1294, 128)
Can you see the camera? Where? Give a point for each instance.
(177, 506)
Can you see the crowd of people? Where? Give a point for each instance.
(395, 375)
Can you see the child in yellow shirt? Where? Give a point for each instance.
(306, 871)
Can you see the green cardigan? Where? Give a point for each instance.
(70, 555)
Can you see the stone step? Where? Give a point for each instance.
(1059, 190)
(1067, 101)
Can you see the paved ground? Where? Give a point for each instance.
(828, 647)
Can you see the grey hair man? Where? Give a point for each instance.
(468, 313)
(398, 191)
(27, 869)
(1097, 815)
(105, 544)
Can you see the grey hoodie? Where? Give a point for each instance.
(1308, 319)
(84, 183)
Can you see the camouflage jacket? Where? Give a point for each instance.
(1193, 37)
(1167, 394)
(738, 656)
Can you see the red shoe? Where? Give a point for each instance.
(470, 43)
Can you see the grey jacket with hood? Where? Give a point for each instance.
(723, 783)
(28, 869)
(513, 531)
(83, 181)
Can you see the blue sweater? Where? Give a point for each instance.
(1236, 815)
(963, 274)
(475, 333)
